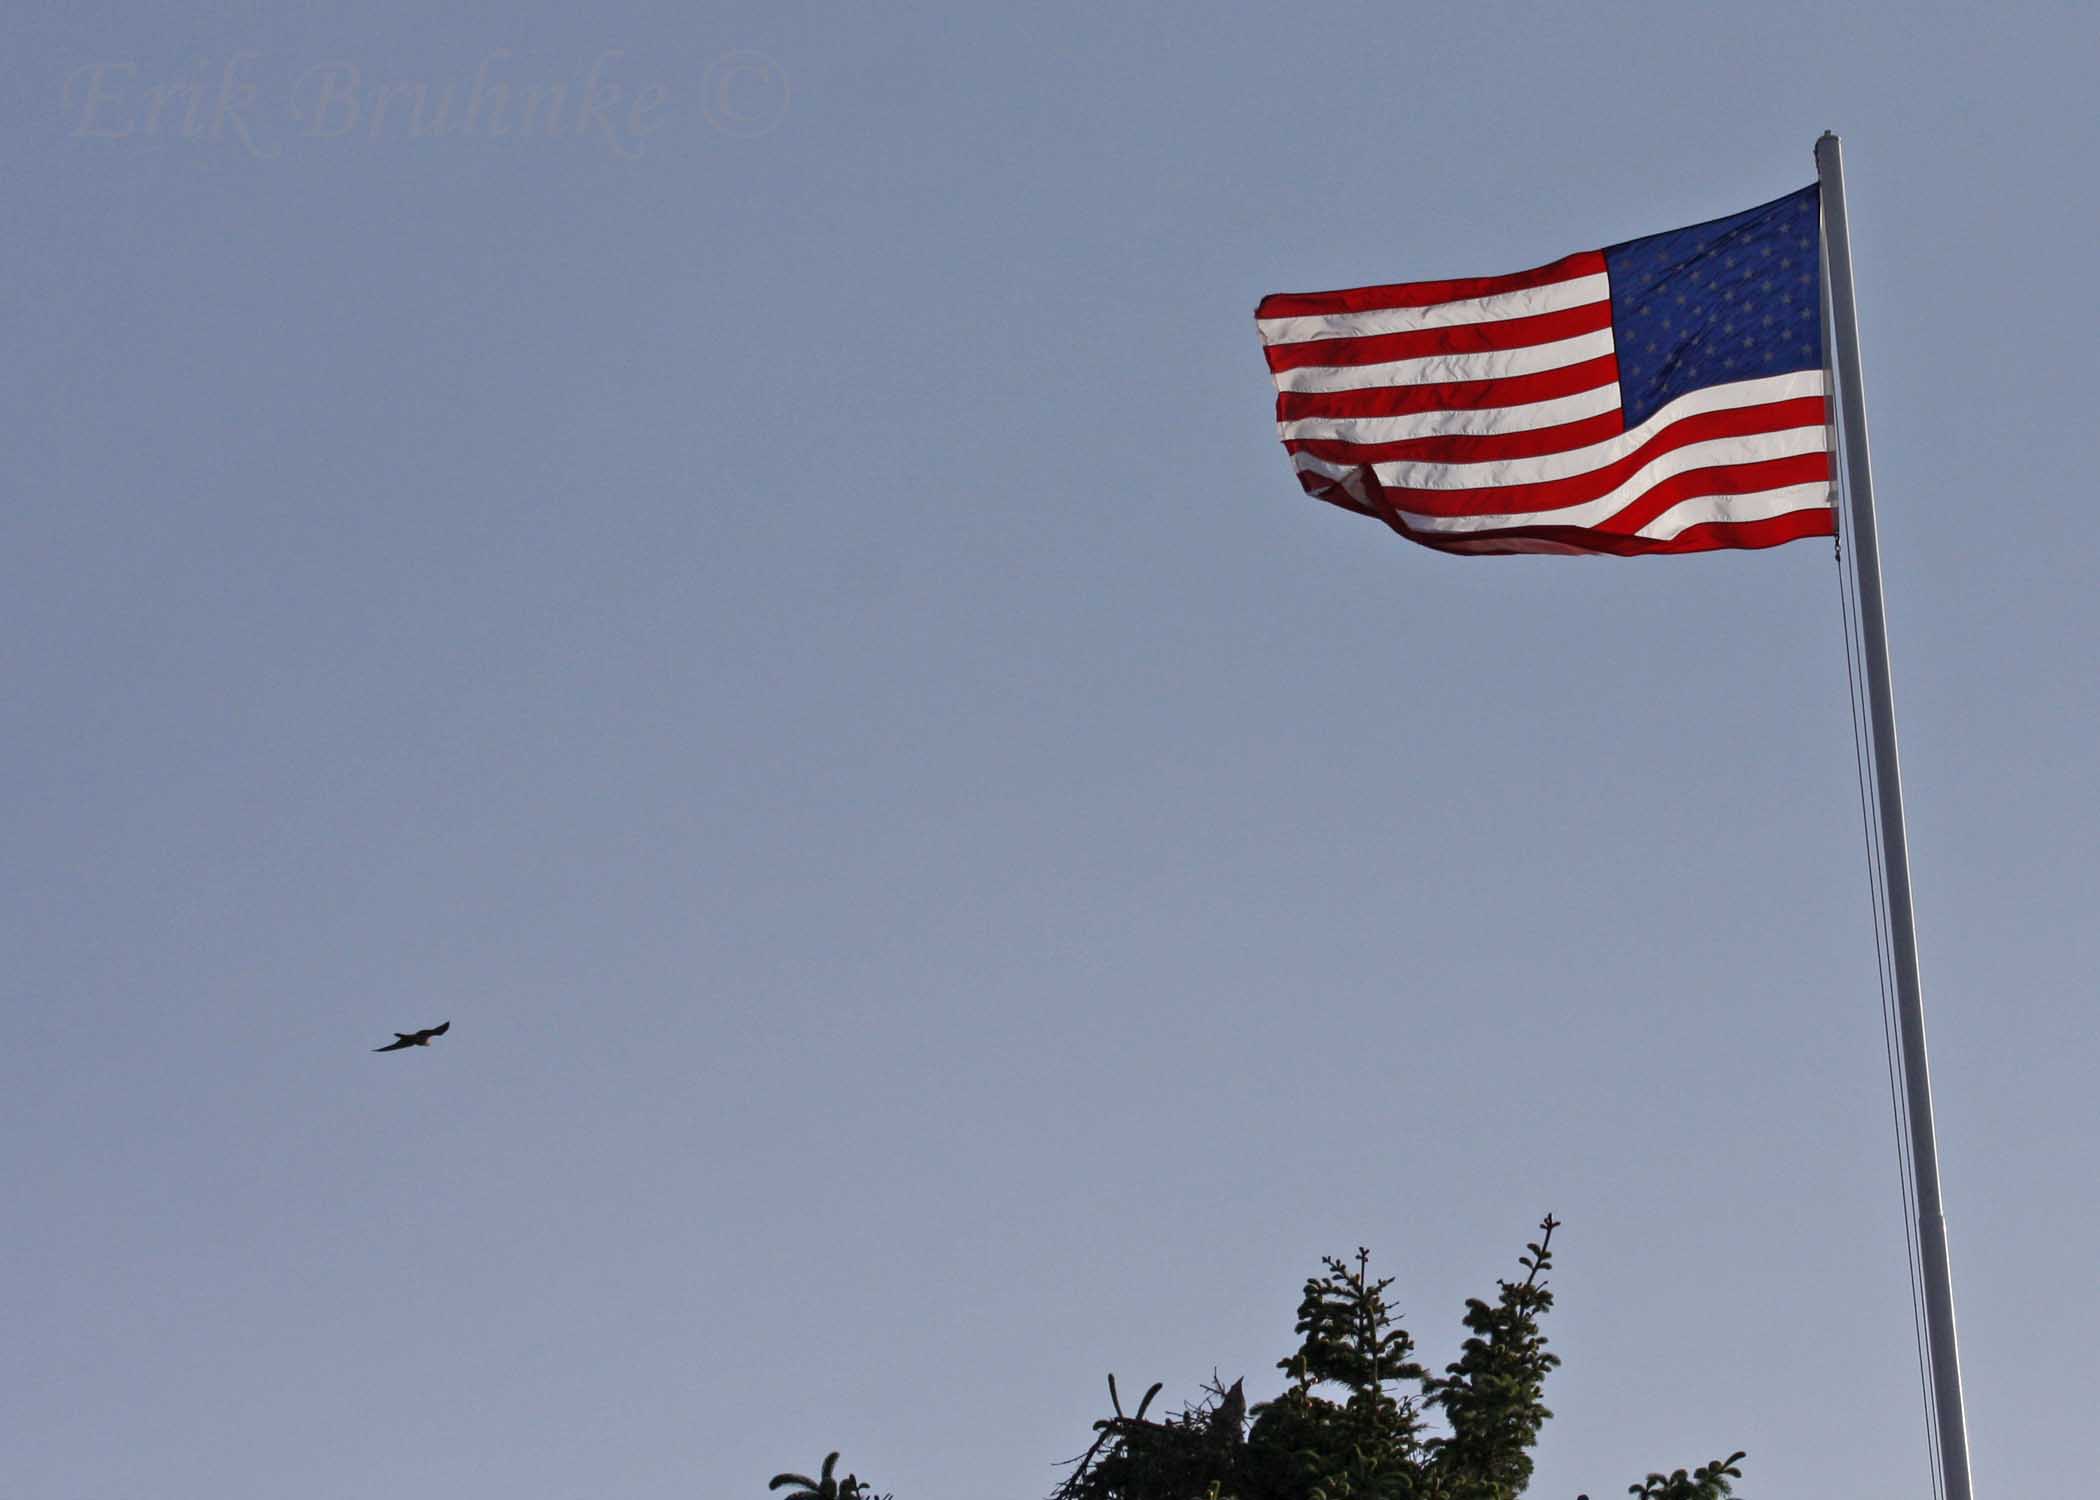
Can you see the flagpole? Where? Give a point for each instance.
(1910, 1005)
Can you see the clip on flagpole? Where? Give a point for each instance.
(1938, 1283)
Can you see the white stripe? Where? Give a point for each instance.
(1439, 369)
(1400, 474)
(1306, 463)
(1580, 291)
(1758, 507)
(1789, 443)
(1349, 481)
(1523, 544)
(1484, 420)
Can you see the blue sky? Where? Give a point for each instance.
(779, 611)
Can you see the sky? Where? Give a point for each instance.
(774, 604)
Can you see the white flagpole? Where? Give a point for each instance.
(1888, 781)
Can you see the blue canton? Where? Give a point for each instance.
(1730, 299)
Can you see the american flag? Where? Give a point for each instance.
(1662, 395)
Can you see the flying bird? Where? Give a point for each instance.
(414, 1038)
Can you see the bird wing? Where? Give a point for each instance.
(439, 1030)
(406, 1041)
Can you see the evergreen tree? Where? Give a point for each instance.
(1359, 1419)
(827, 1486)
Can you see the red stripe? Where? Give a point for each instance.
(1791, 527)
(1320, 487)
(1552, 494)
(1459, 338)
(1709, 537)
(1467, 448)
(1426, 293)
(1723, 479)
(1463, 395)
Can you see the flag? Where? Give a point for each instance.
(1661, 395)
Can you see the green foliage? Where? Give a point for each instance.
(1707, 1482)
(1492, 1395)
(826, 1486)
(1359, 1420)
